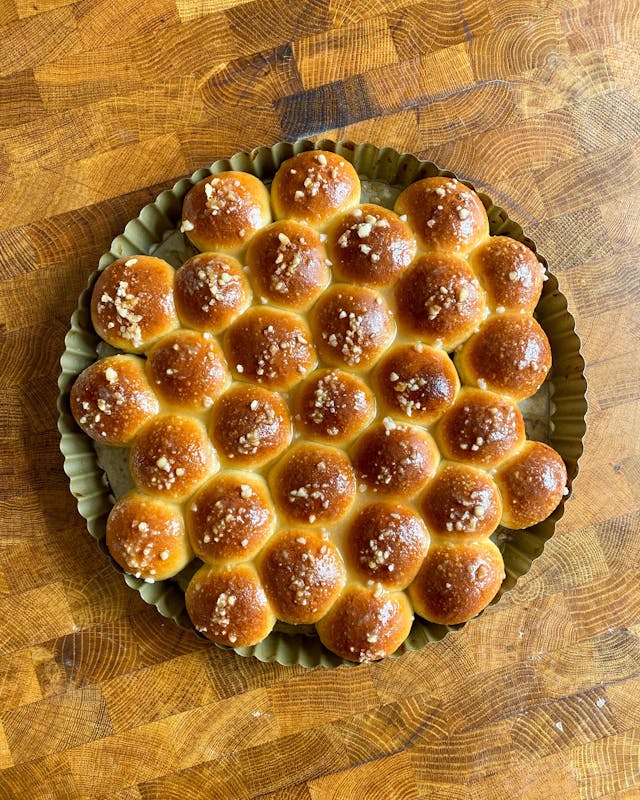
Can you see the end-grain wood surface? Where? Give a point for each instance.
(102, 105)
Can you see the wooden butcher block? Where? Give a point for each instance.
(103, 105)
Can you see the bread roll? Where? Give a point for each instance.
(230, 517)
(333, 406)
(532, 485)
(270, 347)
(187, 370)
(370, 245)
(461, 501)
(147, 537)
(302, 574)
(288, 264)
(249, 426)
(444, 213)
(351, 326)
(228, 605)
(211, 290)
(111, 399)
(511, 274)
(223, 211)
(366, 624)
(395, 459)
(417, 382)
(457, 581)
(481, 428)
(439, 300)
(386, 543)
(172, 456)
(313, 483)
(132, 302)
(510, 354)
(314, 187)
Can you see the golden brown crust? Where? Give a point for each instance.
(313, 483)
(366, 624)
(510, 273)
(229, 606)
(313, 187)
(223, 211)
(352, 326)
(444, 213)
(481, 428)
(132, 302)
(230, 517)
(417, 382)
(288, 264)
(302, 575)
(439, 300)
(457, 581)
(111, 399)
(270, 347)
(187, 370)
(510, 354)
(395, 459)
(249, 426)
(532, 485)
(386, 543)
(147, 537)
(370, 245)
(461, 501)
(172, 456)
(333, 406)
(211, 290)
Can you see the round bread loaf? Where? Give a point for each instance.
(394, 459)
(386, 543)
(211, 290)
(417, 382)
(320, 451)
(187, 370)
(111, 399)
(532, 485)
(333, 406)
(461, 501)
(314, 187)
(223, 211)
(457, 581)
(230, 518)
(302, 574)
(288, 264)
(370, 245)
(510, 354)
(445, 214)
(132, 302)
(172, 456)
(229, 606)
(366, 624)
(352, 326)
(270, 347)
(481, 428)
(313, 483)
(439, 300)
(147, 537)
(511, 274)
(249, 426)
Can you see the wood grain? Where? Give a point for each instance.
(103, 105)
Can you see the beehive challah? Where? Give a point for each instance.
(321, 406)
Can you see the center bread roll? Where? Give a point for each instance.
(321, 408)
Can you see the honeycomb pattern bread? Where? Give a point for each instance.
(321, 406)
